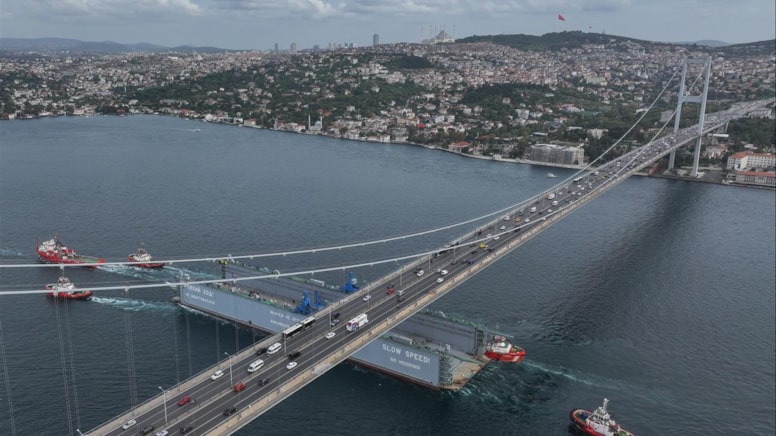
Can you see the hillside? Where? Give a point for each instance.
(552, 41)
(575, 39)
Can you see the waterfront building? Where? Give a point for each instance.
(552, 153)
(749, 159)
(750, 168)
(759, 178)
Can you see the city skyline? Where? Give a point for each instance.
(260, 24)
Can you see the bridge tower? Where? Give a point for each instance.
(692, 99)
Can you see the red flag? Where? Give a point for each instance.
(560, 17)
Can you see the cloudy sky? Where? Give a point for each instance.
(259, 24)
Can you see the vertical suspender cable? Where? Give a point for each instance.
(188, 342)
(7, 381)
(130, 358)
(175, 345)
(218, 346)
(57, 302)
(71, 358)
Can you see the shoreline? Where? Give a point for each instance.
(662, 175)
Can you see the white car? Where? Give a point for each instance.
(329, 335)
(443, 272)
(420, 273)
(496, 238)
(161, 433)
(503, 227)
(129, 424)
(367, 297)
(217, 375)
(440, 280)
(291, 365)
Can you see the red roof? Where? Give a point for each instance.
(757, 173)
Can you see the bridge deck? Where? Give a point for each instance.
(320, 355)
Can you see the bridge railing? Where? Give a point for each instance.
(177, 389)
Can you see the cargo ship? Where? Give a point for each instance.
(597, 422)
(499, 349)
(64, 288)
(143, 259)
(54, 251)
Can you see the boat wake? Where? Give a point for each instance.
(7, 252)
(568, 374)
(167, 274)
(134, 305)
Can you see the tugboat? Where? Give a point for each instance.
(501, 350)
(54, 251)
(144, 259)
(597, 423)
(64, 288)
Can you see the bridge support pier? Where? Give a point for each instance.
(692, 99)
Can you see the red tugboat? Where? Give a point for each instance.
(143, 259)
(501, 350)
(65, 289)
(54, 251)
(597, 423)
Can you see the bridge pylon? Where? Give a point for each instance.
(682, 99)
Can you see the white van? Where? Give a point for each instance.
(255, 366)
(274, 348)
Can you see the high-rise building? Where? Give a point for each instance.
(293, 47)
(276, 47)
(375, 40)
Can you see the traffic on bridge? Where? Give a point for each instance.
(241, 387)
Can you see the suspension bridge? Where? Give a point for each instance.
(309, 353)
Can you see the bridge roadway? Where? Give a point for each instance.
(462, 259)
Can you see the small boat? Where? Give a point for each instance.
(551, 175)
(597, 422)
(54, 251)
(499, 349)
(143, 259)
(64, 288)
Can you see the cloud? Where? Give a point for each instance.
(414, 8)
(107, 8)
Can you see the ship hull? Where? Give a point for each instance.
(579, 420)
(507, 357)
(578, 417)
(64, 295)
(146, 265)
(86, 261)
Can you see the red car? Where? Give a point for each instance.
(239, 387)
(390, 290)
(184, 401)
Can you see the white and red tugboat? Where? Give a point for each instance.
(597, 422)
(54, 251)
(501, 350)
(65, 289)
(144, 259)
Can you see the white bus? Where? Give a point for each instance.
(291, 331)
(356, 322)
